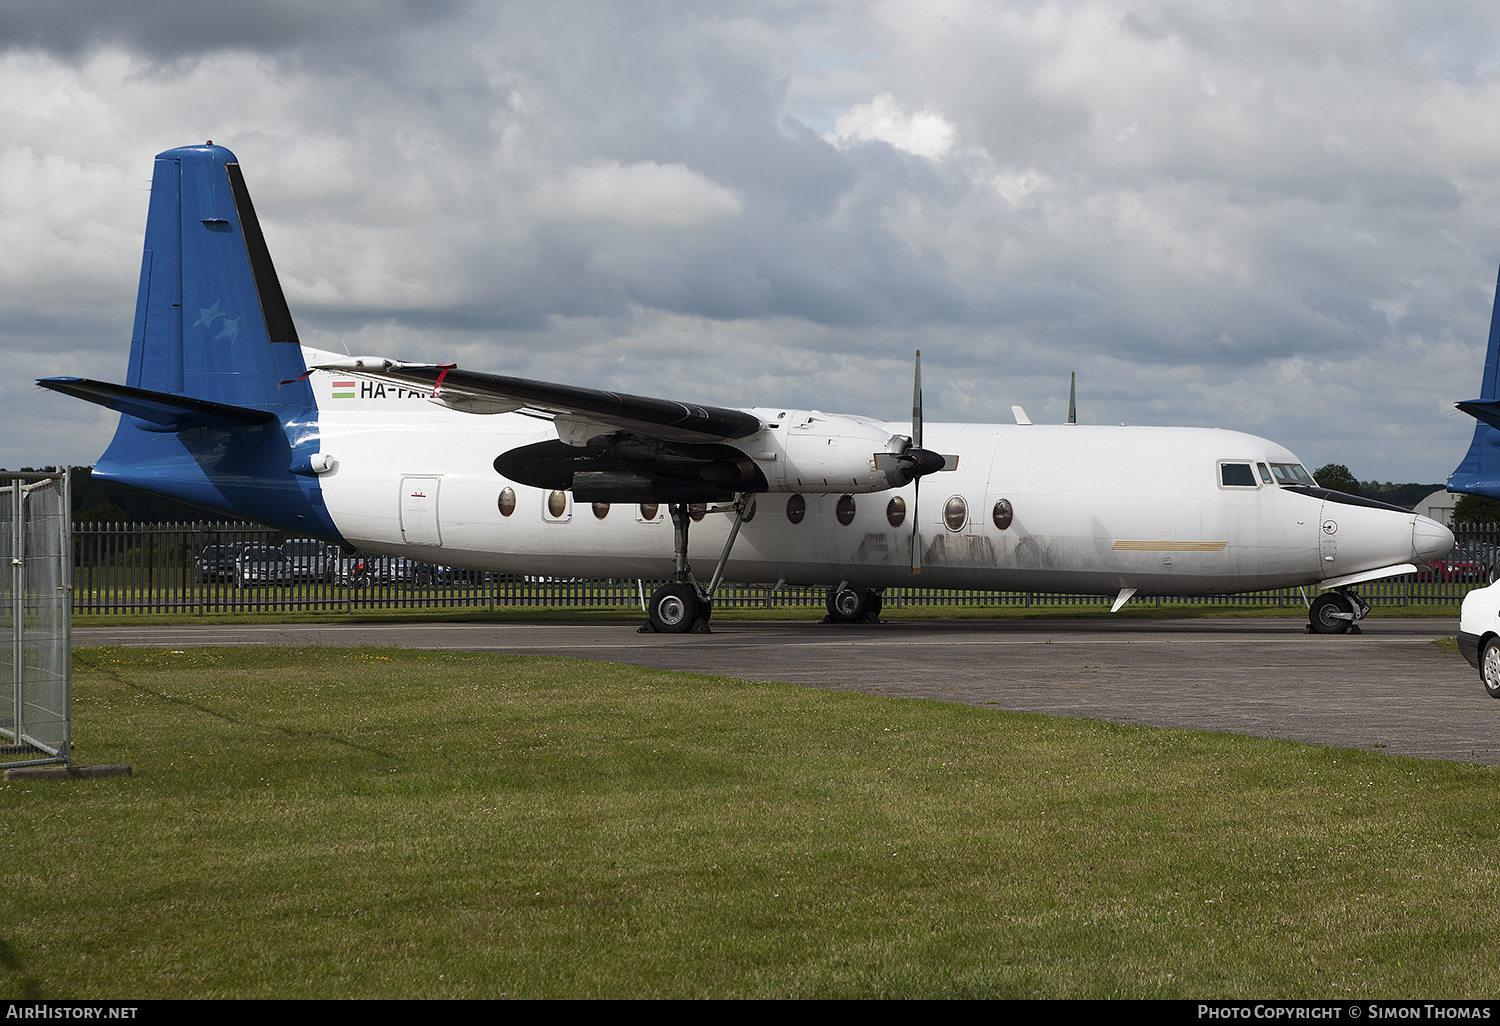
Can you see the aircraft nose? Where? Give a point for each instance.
(1429, 540)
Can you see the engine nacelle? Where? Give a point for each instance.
(808, 451)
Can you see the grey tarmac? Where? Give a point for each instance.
(1389, 689)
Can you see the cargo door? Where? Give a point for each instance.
(419, 511)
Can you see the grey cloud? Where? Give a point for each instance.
(171, 29)
(1218, 214)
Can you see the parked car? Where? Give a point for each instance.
(1460, 564)
(1488, 554)
(460, 575)
(400, 570)
(259, 564)
(1479, 635)
(216, 563)
(309, 559)
(358, 569)
(396, 570)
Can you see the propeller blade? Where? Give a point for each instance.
(916, 539)
(916, 406)
(916, 447)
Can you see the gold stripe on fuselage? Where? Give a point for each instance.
(1169, 546)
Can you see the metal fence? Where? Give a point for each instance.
(35, 612)
(172, 568)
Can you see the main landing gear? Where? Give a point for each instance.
(1336, 612)
(684, 605)
(854, 605)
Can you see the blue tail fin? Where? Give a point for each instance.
(215, 408)
(1479, 473)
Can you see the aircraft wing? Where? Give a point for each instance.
(581, 409)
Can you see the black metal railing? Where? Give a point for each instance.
(177, 568)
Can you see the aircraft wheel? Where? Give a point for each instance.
(1324, 614)
(675, 607)
(848, 605)
(1489, 667)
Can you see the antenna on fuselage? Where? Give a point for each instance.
(1072, 397)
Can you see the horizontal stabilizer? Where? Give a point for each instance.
(1487, 410)
(165, 412)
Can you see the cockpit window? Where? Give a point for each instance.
(1265, 473)
(1292, 474)
(1236, 475)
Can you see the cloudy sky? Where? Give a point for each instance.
(1278, 218)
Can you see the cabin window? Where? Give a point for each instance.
(601, 510)
(1003, 514)
(796, 509)
(507, 502)
(557, 505)
(1292, 474)
(697, 511)
(1236, 475)
(649, 511)
(845, 510)
(895, 511)
(955, 513)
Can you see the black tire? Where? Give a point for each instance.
(1323, 616)
(1489, 667)
(848, 605)
(674, 608)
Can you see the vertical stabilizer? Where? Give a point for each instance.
(211, 321)
(216, 410)
(1479, 473)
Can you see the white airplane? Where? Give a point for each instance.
(224, 408)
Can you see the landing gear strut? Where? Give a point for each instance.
(1336, 612)
(684, 605)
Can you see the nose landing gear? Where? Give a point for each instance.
(1336, 612)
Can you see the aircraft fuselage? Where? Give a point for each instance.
(1068, 508)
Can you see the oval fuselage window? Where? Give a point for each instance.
(796, 508)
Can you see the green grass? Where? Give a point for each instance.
(362, 823)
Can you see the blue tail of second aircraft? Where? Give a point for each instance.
(215, 409)
(1479, 473)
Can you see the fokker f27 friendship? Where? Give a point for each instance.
(223, 407)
